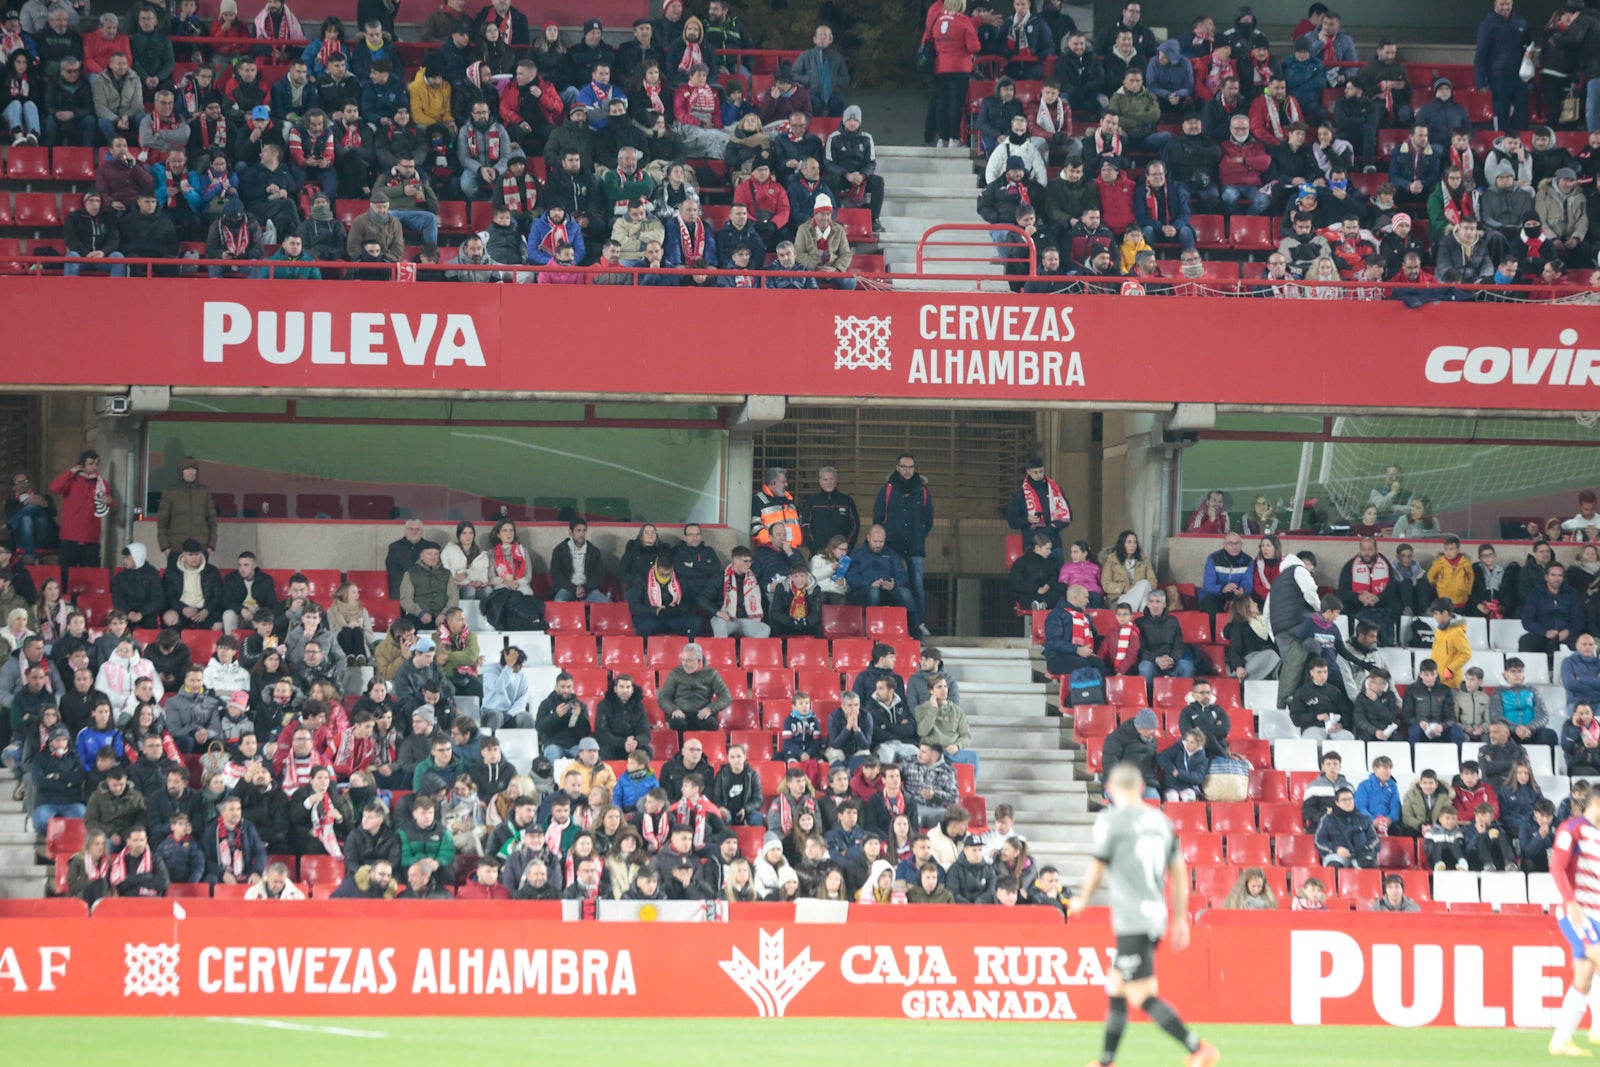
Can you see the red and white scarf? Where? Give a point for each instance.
(350, 135)
(1021, 189)
(1103, 147)
(1260, 70)
(693, 817)
(552, 836)
(1275, 113)
(488, 136)
(653, 590)
(701, 103)
(896, 804)
(119, 866)
(322, 826)
(550, 243)
(734, 587)
(655, 828)
(517, 194)
(1219, 72)
(691, 56)
(1457, 206)
(653, 100)
(354, 753)
(458, 643)
(1369, 577)
(297, 771)
(1330, 51)
(1054, 118)
(1124, 640)
(1266, 573)
(95, 871)
(693, 243)
(230, 849)
(1082, 628)
(236, 242)
(213, 135)
(789, 808)
(512, 565)
(1060, 511)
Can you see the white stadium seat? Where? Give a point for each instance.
(1398, 661)
(1399, 753)
(1505, 633)
(1491, 663)
(1503, 887)
(1542, 890)
(1455, 887)
(1295, 755)
(1273, 725)
(1261, 696)
(1439, 757)
(535, 643)
(1477, 632)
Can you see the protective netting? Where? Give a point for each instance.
(1457, 475)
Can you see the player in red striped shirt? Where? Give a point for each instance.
(1575, 866)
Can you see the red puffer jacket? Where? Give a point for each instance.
(955, 40)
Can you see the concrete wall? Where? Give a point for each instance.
(1185, 556)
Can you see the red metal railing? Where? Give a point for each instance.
(987, 229)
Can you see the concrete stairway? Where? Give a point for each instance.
(1025, 762)
(924, 187)
(21, 875)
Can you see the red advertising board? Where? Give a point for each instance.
(1309, 970)
(598, 339)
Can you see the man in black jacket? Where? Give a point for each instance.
(969, 877)
(92, 234)
(193, 590)
(853, 163)
(1162, 649)
(148, 233)
(736, 791)
(699, 570)
(1135, 742)
(829, 513)
(137, 589)
(69, 117)
(247, 592)
(234, 851)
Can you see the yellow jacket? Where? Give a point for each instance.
(1130, 249)
(600, 775)
(1451, 651)
(429, 106)
(1453, 581)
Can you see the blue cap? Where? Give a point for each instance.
(260, 111)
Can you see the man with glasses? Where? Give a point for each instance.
(1229, 575)
(904, 508)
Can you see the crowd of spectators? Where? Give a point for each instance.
(1222, 123)
(308, 734)
(588, 154)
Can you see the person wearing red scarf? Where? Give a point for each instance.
(1039, 506)
(235, 854)
(137, 871)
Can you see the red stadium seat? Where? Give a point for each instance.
(664, 651)
(591, 684)
(1171, 693)
(573, 651)
(841, 620)
(95, 607)
(1201, 849)
(1250, 233)
(453, 217)
(741, 715)
(1295, 850)
(1268, 788)
(1093, 720)
(201, 643)
(322, 870)
(773, 713)
(738, 682)
(716, 749)
(82, 580)
(750, 839)
(1188, 816)
(1397, 852)
(1126, 690)
(757, 743)
(768, 682)
(1036, 625)
(374, 585)
(371, 507)
(886, 624)
(1233, 818)
(1280, 818)
(808, 652)
(1013, 549)
(1215, 882)
(772, 774)
(1250, 850)
(36, 211)
(761, 652)
(623, 654)
(1196, 626)
(721, 652)
(966, 779)
(663, 744)
(1210, 232)
(569, 616)
(610, 619)
(72, 164)
(25, 163)
(1093, 750)
(63, 837)
(851, 655)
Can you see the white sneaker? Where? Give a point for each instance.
(32, 139)
(924, 631)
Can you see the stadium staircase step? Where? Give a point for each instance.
(21, 873)
(929, 186)
(1026, 758)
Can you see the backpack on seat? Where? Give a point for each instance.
(1086, 686)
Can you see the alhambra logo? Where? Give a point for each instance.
(863, 343)
(774, 981)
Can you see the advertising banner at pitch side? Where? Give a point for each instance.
(592, 340)
(1346, 969)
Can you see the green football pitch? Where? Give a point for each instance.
(137, 1042)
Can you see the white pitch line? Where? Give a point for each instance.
(278, 1024)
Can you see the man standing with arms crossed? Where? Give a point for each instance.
(1136, 847)
(1575, 867)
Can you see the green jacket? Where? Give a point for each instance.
(111, 814)
(428, 590)
(465, 657)
(1140, 113)
(313, 274)
(187, 510)
(945, 725)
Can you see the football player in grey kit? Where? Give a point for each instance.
(1136, 852)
